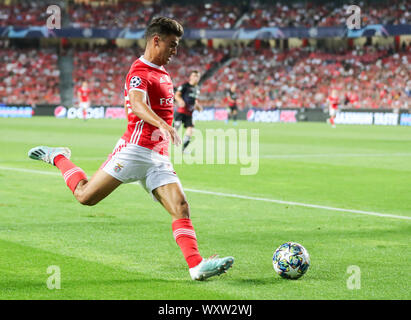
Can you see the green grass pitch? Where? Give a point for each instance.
(123, 248)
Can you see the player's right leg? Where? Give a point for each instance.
(87, 192)
(234, 115)
(332, 121)
(172, 197)
(84, 113)
(332, 117)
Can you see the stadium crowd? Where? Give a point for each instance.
(365, 77)
(212, 14)
(105, 67)
(323, 14)
(125, 14)
(29, 76)
(23, 13)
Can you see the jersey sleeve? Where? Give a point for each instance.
(182, 89)
(137, 81)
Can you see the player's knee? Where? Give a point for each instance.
(86, 200)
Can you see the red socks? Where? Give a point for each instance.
(71, 174)
(332, 121)
(185, 236)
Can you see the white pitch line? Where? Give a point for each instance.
(238, 196)
(292, 203)
(303, 155)
(320, 155)
(30, 171)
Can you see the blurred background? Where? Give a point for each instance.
(283, 55)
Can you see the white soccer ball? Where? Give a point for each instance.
(291, 260)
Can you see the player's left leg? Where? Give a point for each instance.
(228, 115)
(172, 197)
(332, 117)
(187, 137)
(87, 192)
(84, 113)
(86, 105)
(90, 192)
(235, 112)
(332, 121)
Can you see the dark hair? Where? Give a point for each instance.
(194, 71)
(164, 26)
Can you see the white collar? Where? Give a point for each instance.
(142, 59)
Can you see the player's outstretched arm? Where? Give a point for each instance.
(140, 108)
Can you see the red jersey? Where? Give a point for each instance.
(155, 82)
(84, 94)
(333, 101)
(353, 98)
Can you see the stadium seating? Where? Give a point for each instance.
(126, 14)
(225, 15)
(25, 13)
(311, 14)
(366, 78)
(29, 76)
(211, 14)
(105, 68)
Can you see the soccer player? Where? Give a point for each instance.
(142, 152)
(83, 96)
(187, 100)
(232, 103)
(333, 101)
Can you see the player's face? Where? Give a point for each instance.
(194, 78)
(167, 47)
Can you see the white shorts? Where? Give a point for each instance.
(333, 112)
(129, 162)
(84, 105)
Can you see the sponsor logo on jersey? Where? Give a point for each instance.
(166, 101)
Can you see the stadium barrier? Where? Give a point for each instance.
(13, 111)
(292, 115)
(261, 33)
(96, 112)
